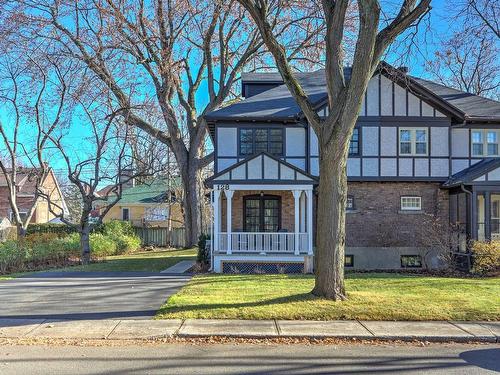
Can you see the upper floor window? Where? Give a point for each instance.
(254, 141)
(413, 141)
(484, 142)
(354, 145)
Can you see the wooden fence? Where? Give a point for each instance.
(157, 236)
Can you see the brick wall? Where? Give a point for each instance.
(378, 220)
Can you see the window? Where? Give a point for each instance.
(125, 214)
(411, 203)
(254, 141)
(157, 214)
(354, 145)
(349, 260)
(22, 214)
(413, 141)
(411, 261)
(350, 203)
(484, 142)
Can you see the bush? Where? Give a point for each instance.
(40, 237)
(60, 229)
(122, 233)
(486, 257)
(203, 252)
(12, 256)
(102, 245)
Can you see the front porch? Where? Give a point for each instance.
(265, 222)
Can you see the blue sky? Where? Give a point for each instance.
(428, 41)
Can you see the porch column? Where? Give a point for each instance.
(309, 195)
(296, 206)
(229, 197)
(216, 208)
(487, 216)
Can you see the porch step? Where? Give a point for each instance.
(180, 267)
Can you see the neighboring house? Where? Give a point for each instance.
(422, 156)
(146, 204)
(26, 196)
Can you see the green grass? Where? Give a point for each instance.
(152, 261)
(373, 296)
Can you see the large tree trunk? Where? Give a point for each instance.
(329, 255)
(193, 201)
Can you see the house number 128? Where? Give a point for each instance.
(223, 187)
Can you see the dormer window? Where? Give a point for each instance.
(254, 141)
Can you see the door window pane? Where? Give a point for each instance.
(262, 214)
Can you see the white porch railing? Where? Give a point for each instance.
(262, 242)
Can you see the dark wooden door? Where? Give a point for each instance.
(261, 213)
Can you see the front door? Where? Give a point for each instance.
(262, 213)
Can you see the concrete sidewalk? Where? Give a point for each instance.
(437, 331)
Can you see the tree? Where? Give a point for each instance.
(344, 100)
(468, 62)
(166, 63)
(24, 114)
(481, 16)
(110, 162)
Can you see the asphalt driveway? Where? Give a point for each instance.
(87, 295)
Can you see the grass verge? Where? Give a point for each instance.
(371, 296)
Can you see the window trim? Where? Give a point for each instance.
(413, 141)
(267, 129)
(128, 214)
(410, 208)
(411, 256)
(21, 212)
(484, 142)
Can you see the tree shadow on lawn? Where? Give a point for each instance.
(300, 297)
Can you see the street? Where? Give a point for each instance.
(251, 359)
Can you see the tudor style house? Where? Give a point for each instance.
(423, 158)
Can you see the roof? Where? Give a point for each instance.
(26, 180)
(468, 175)
(277, 104)
(472, 106)
(153, 192)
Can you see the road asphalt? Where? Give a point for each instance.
(251, 359)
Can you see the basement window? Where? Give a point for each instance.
(411, 203)
(411, 261)
(349, 261)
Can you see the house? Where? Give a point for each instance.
(423, 163)
(152, 203)
(26, 196)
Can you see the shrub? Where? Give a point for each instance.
(486, 257)
(40, 237)
(102, 245)
(60, 229)
(12, 256)
(203, 251)
(122, 233)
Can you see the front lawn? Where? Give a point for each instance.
(374, 296)
(148, 261)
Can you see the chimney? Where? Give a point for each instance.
(403, 69)
(125, 179)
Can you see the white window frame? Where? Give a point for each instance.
(123, 209)
(410, 207)
(413, 141)
(353, 203)
(20, 213)
(484, 142)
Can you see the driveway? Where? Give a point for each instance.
(87, 295)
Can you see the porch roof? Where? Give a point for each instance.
(262, 168)
(486, 170)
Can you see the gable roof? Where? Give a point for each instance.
(474, 172)
(277, 104)
(264, 168)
